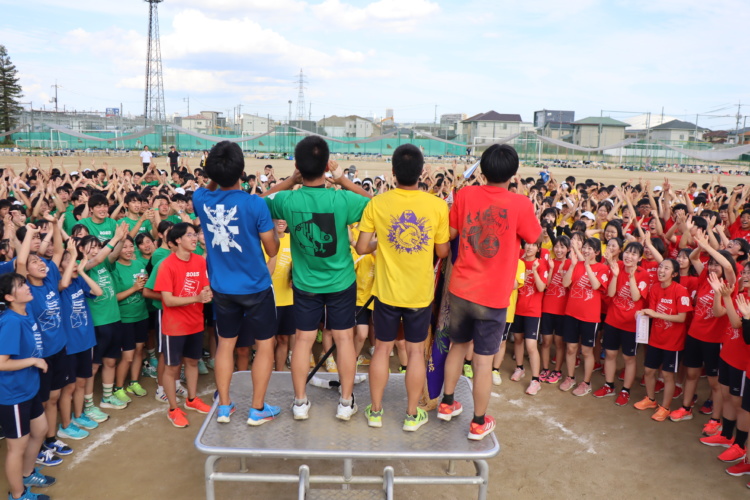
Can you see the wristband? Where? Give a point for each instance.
(109, 245)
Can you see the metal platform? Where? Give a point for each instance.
(322, 436)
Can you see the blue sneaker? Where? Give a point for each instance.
(48, 458)
(225, 412)
(84, 422)
(260, 417)
(71, 432)
(38, 479)
(58, 447)
(28, 495)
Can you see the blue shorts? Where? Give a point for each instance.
(339, 307)
(614, 338)
(247, 317)
(576, 331)
(57, 376)
(470, 321)
(387, 318)
(526, 325)
(16, 419)
(176, 347)
(668, 361)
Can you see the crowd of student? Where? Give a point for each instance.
(101, 269)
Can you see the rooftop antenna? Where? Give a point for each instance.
(301, 96)
(153, 106)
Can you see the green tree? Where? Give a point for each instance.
(10, 92)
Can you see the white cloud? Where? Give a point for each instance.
(397, 15)
(240, 7)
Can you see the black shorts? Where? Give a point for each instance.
(176, 347)
(576, 331)
(247, 317)
(614, 338)
(339, 309)
(363, 316)
(698, 353)
(731, 377)
(108, 342)
(153, 320)
(506, 331)
(15, 420)
(526, 325)
(57, 376)
(746, 395)
(552, 323)
(386, 320)
(145, 166)
(134, 333)
(668, 361)
(285, 324)
(208, 314)
(81, 363)
(470, 321)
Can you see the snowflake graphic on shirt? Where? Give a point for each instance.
(220, 220)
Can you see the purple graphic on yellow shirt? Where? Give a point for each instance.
(408, 233)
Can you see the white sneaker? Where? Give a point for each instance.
(301, 412)
(346, 412)
(180, 390)
(372, 350)
(331, 366)
(497, 379)
(161, 396)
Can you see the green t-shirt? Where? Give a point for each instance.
(176, 219)
(104, 231)
(70, 219)
(318, 220)
(145, 227)
(150, 183)
(133, 307)
(159, 255)
(104, 308)
(151, 283)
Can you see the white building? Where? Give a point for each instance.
(347, 126)
(491, 126)
(253, 124)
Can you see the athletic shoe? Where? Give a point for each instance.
(153, 361)
(161, 396)
(260, 417)
(659, 386)
(95, 414)
(363, 361)
(708, 407)
(224, 413)
(534, 387)
(553, 377)
(447, 412)
(59, 447)
(711, 428)
(661, 414)
(344, 412)
(401, 369)
(136, 389)
(372, 350)
(211, 363)
(717, 440)
(331, 366)
(677, 392)
(38, 480)
(567, 384)
(598, 366)
(645, 404)
(623, 398)
(681, 414)
(312, 361)
(178, 418)
(197, 405)
(301, 412)
(518, 374)
(182, 373)
(319, 337)
(48, 458)
(412, 423)
(497, 379)
(621, 375)
(71, 432)
(604, 391)
(543, 375)
(202, 369)
(84, 422)
(28, 495)
(148, 370)
(468, 370)
(578, 361)
(122, 396)
(374, 418)
(180, 391)
(642, 383)
(477, 432)
(739, 469)
(2, 434)
(582, 389)
(114, 403)
(732, 454)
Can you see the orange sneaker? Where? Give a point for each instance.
(446, 412)
(177, 417)
(681, 414)
(717, 440)
(645, 404)
(739, 469)
(197, 405)
(661, 414)
(732, 454)
(477, 432)
(712, 428)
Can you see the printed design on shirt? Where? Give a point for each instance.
(529, 286)
(315, 233)
(408, 233)
(134, 298)
(38, 345)
(624, 299)
(79, 316)
(704, 306)
(484, 229)
(556, 288)
(104, 280)
(664, 309)
(219, 226)
(581, 289)
(190, 285)
(50, 317)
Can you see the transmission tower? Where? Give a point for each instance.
(301, 96)
(153, 108)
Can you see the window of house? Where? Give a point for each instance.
(682, 137)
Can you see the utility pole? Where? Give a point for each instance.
(55, 86)
(187, 100)
(739, 116)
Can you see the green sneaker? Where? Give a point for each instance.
(95, 414)
(411, 424)
(374, 418)
(122, 395)
(319, 337)
(202, 368)
(136, 389)
(113, 402)
(468, 371)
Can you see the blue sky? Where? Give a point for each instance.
(359, 57)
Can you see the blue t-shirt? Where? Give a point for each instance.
(20, 338)
(77, 321)
(232, 222)
(46, 310)
(8, 267)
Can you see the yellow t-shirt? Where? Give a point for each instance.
(282, 274)
(364, 268)
(520, 278)
(409, 223)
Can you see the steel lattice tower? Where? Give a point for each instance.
(301, 97)
(153, 109)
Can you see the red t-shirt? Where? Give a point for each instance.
(556, 295)
(736, 231)
(622, 309)
(733, 349)
(529, 297)
(673, 249)
(585, 303)
(182, 279)
(491, 221)
(704, 325)
(650, 266)
(674, 299)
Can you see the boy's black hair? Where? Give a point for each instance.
(225, 163)
(178, 231)
(408, 163)
(499, 163)
(132, 196)
(97, 200)
(311, 157)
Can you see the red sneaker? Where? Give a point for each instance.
(598, 366)
(717, 440)
(578, 361)
(197, 405)
(739, 469)
(712, 428)
(623, 398)
(732, 454)
(477, 432)
(677, 392)
(681, 414)
(177, 417)
(621, 375)
(553, 377)
(643, 381)
(604, 391)
(707, 408)
(659, 386)
(446, 412)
